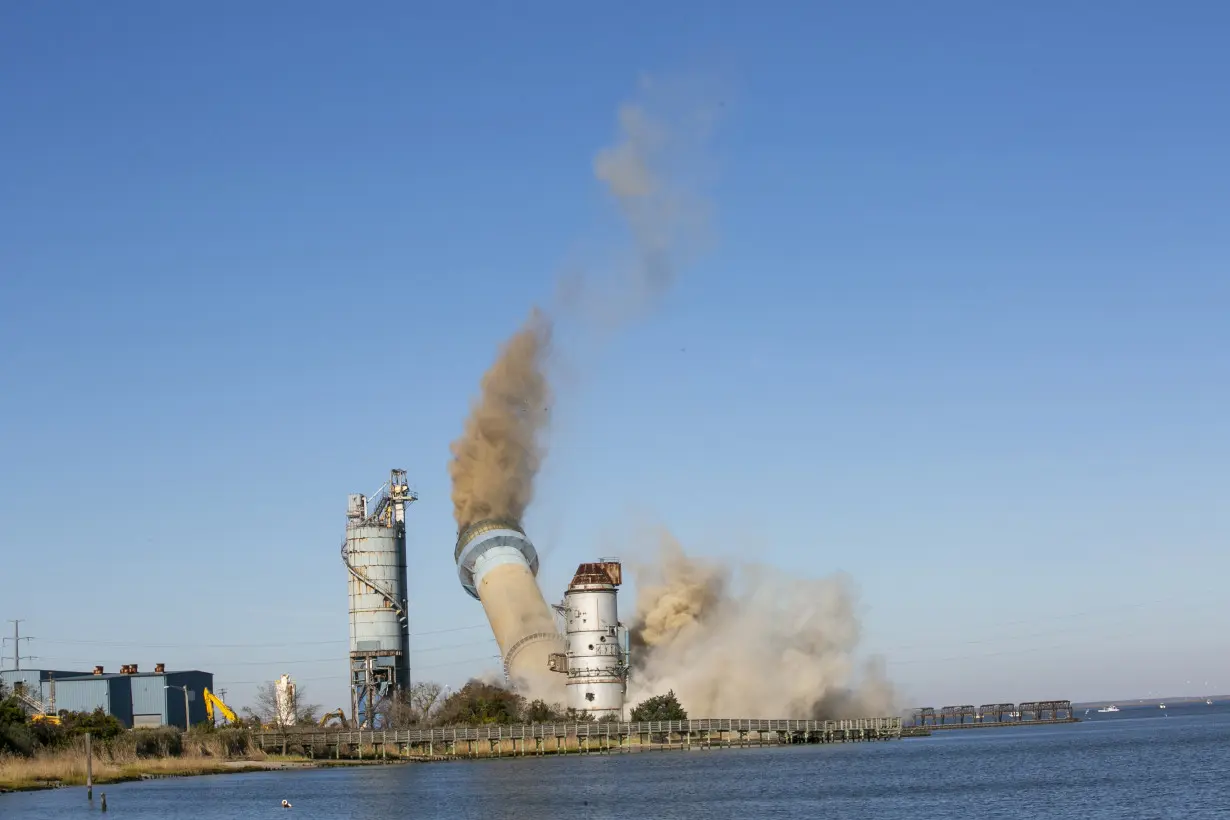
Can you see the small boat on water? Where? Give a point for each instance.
(1111, 708)
(1161, 706)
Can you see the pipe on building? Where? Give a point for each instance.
(497, 564)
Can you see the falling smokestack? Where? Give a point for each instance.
(501, 449)
(497, 564)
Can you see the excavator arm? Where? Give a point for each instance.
(336, 713)
(212, 702)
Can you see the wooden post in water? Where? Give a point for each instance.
(89, 767)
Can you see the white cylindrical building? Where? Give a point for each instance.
(284, 701)
(596, 665)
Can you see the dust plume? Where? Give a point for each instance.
(649, 175)
(501, 448)
(748, 641)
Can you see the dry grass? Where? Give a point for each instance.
(119, 760)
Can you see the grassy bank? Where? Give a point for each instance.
(66, 769)
(135, 755)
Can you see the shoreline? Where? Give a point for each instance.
(204, 770)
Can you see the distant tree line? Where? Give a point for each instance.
(425, 705)
(480, 703)
(21, 735)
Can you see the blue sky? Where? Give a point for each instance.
(962, 334)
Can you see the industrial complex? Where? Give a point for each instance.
(137, 699)
(574, 653)
(579, 658)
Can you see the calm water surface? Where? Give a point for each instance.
(1136, 764)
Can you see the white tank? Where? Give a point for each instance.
(595, 664)
(284, 695)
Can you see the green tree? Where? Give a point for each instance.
(98, 723)
(479, 702)
(539, 711)
(660, 707)
(15, 736)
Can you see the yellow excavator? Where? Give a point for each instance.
(336, 713)
(38, 712)
(212, 702)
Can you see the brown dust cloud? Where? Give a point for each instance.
(732, 641)
(501, 448)
(749, 641)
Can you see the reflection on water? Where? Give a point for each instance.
(1130, 764)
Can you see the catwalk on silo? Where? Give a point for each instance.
(374, 554)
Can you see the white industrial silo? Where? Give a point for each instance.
(284, 700)
(596, 661)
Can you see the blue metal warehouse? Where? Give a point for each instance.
(138, 699)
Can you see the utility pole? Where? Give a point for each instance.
(17, 639)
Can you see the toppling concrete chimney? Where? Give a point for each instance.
(160, 668)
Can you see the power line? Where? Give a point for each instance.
(288, 661)
(276, 645)
(1084, 628)
(342, 676)
(1005, 651)
(17, 639)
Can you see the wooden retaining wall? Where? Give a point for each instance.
(573, 738)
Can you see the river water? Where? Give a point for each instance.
(1139, 763)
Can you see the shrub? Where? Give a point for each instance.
(660, 707)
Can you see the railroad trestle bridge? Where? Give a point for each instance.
(995, 714)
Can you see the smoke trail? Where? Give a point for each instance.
(501, 447)
(500, 450)
(660, 203)
(748, 641)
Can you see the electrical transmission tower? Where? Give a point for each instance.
(16, 639)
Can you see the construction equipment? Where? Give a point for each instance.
(340, 714)
(39, 713)
(212, 702)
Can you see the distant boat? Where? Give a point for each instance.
(1161, 706)
(1208, 701)
(1111, 708)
